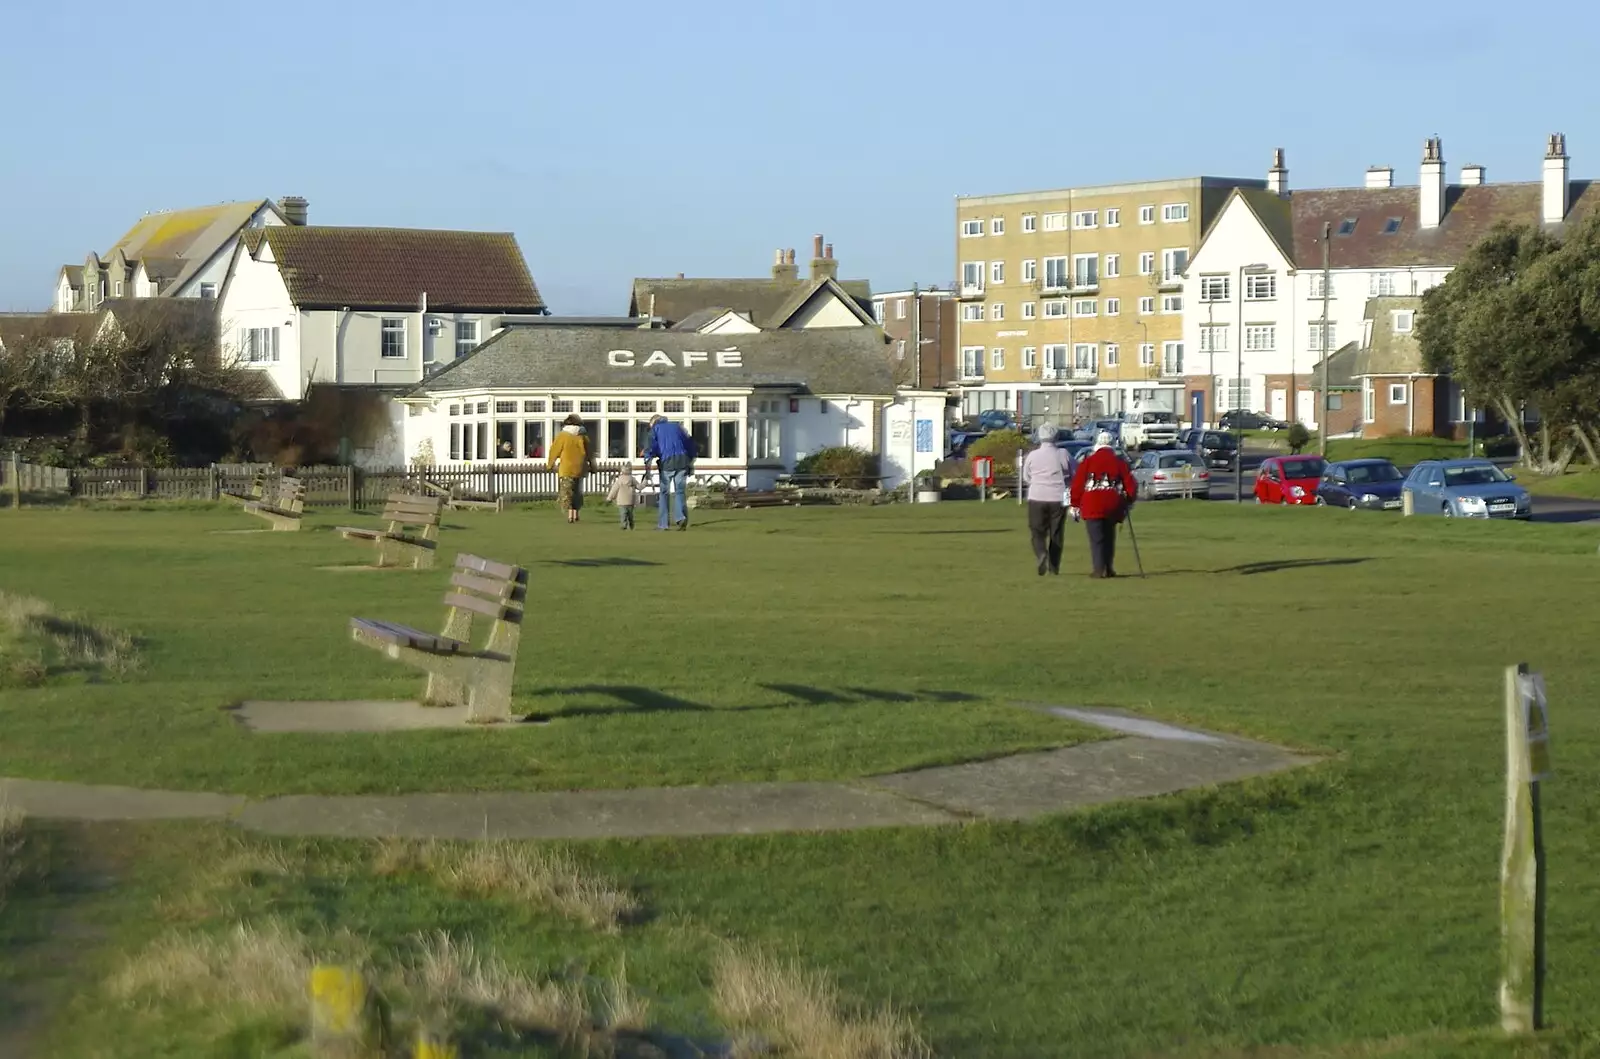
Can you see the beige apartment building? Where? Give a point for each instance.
(1071, 301)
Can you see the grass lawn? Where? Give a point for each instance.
(1583, 483)
(1344, 910)
(1402, 451)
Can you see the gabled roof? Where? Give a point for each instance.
(833, 361)
(768, 302)
(74, 274)
(801, 298)
(701, 317)
(392, 268)
(192, 236)
(162, 268)
(1343, 368)
(1388, 352)
(19, 329)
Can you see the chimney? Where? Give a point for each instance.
(783, 266)
(823, 266)
(1380, 176)
(1278, 175)
(1557, 192)
(1431, 210)
(294, 208)
(1472, 176)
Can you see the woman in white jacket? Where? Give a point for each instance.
(1046, 473)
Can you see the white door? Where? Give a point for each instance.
(1280, 404)
(1307, 411)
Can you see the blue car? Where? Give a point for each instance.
(1370, 485)
(1472, 488)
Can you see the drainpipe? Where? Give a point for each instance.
(422, 331)
(338, 343)
(1411, 405)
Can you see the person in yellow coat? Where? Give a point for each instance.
(569, 458)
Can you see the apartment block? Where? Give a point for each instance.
(1071, 301)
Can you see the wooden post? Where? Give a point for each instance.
(352, 494)
(1522, 868)
(14, 471)
(213, 483)
(144, 482)
(491, 493)
(346, 1023)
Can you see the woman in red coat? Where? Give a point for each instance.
(1102, 491)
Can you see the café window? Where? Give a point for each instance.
(644, 406)
(728, 407)
(699, 406)
(616, 406)
(672, 406)
(533, 439)
(589, 407)
(727, 439)
(700, 431)
(502, 407)
(505, 436)
(561, 407)
(467, 433)
(455, 409)
(455, 441)
(766, 433)
(533, 406)
(641, 434)
(616, 439)
(483, 441)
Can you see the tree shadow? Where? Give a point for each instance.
(813, 696)
(1274, 565)
(954, 532)
(615, 560)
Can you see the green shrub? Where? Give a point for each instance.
(1299, 437)
(1504, 445)
(854, 468)
(1001, 446)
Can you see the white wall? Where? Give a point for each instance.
(812, 428)
(256, 297)
(899, 458)
(825, 310)
(215, 270)
(356, 355)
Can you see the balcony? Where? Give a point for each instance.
(1084, 373)
(1170, 370)
(971, 374)
(1053, 376)
(1169, 280)
(971, 292)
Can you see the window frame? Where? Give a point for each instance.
(997, 358)
(1029, 310)
(1147, 262)
(1085, 308)
(997, 272)
(388, 328)
(1209, 287)
(1409, 316)
(1260, 338)
(997, 226)
(1400, 389)
(1085, 220)
(1255, 281)
(1111, 355)
(1030, 358)
(1175, 213)
(1113, 307)
(1111, 267)
(1147, 306)
(1113, 217)
(972, 228)
(1147, 214)
(1030, 223)
(1171, 304)
(1030, 270)
(465, 346)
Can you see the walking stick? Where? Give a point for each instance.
(1134, 537)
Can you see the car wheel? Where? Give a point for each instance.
(1320, 501)
(1351, 505)
(1447, 513)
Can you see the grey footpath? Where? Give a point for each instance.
(1148, 759)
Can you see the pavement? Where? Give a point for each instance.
(1145, 759)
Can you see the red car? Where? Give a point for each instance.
(1289, 479)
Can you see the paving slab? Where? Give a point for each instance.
(355, 716)
(731, 809)
(75, 801)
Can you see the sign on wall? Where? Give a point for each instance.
(722, 358)
(924, 435)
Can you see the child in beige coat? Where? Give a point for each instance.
(624, 492)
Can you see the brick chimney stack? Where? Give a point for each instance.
(294, 209)
(823, 265)
(783, 266)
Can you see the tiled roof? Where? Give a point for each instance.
(18, 329)
(392, 268)
(849, 360)
(1386, 352)
(192, 236)
(1469, 214)
(767, 301)
(1343, 368)
(74, 275)
(162, 268)
(701, 317)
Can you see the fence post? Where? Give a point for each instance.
(491, 493)
(213, 483)
(351, 491)
(346, 1023)
(144, 482)
(14, 472)
(1522, 869)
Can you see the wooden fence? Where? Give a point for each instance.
(352, 487)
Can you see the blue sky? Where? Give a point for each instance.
(627, 138)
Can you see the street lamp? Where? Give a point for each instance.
(1238, 384)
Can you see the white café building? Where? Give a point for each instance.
(756, 402)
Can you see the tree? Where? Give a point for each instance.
(1517, 324)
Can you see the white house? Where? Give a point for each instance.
(373, 307)
(755, 402)
(170, 254)
(1255, 287)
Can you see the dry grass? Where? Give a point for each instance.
(11, 842)
(798, 1013)
(63, 641)
(451, 981)
(518, 871)
(259, 970)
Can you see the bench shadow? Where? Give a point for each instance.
(1274, 565)
(615, 560)
(954, 532)
(633, 699)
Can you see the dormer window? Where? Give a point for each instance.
(1347, 226)
(1391, 226)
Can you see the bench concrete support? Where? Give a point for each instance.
(282, 504)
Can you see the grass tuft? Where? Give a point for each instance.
(41, 641)
(455, 985)
(799, 1013)
(257, 970)
(11, 848)
(518, 871)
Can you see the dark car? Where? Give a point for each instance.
(1213, 446)
(1073, 447)
(996, 419)
(1239, 419)
(1371, 485)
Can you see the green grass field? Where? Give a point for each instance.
(1344, 910)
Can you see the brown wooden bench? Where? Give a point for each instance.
(744, 498)
(460, 674)
(411, 533)
(456, 500)
(258, 490)
(282, 503)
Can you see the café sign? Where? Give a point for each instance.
(722, 358)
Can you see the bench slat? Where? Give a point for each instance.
(488, 586)
(405, 635)
(358, 533)
(414, 503)
(412, 518)
(490, 608)
(487, 567)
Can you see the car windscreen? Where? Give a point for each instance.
(1372, 473)
(1221, 441)
(1179, 459)
(1303, 468)
(1478, 474)
(1158, 417)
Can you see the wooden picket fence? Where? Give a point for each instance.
(326, 487)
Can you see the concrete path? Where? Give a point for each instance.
(1149, 759)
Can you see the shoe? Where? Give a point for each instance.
(683, 525)
(1056, 570)
(1044, 564)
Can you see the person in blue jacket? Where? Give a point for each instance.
(673, 451)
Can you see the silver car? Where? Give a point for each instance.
(1172, 472)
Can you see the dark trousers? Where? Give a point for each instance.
(1102, 545)
(1045, 521)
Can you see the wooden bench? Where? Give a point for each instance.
(258, 490)
(411, 533)
(745, 498)
(460, 674)
(459, 501)
(282, 503)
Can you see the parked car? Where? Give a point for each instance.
(1150, 430)
(1373, 485)
(1173, 472)
(1289, 479)
(1215, 447)
(997, 419)
(1073, 447)
(1095, 427)
(1238, 419)
(1467, 488)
